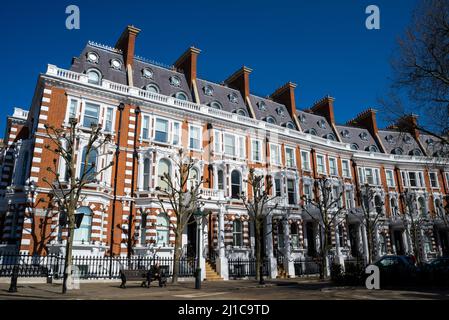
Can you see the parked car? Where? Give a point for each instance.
(436, 272)
(397, 270)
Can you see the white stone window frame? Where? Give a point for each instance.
(319, 155)
(437, 186)
(101, 113)
(293, 149)
(102, 157)
(260, 147)
(278, 161)
(199, 128)
(393, 184)
(336, 166)
(218, 142)
(349, 168)
(169, 130)
(142, 127)
(309, 167)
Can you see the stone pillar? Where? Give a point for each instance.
(289, 265)
(362, 230)
(407, 239)
(338, 255)
(393, 241)
(273, 270)
(222, 261)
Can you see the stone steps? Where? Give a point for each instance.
(211, 274)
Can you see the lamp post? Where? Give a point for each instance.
(198, 214)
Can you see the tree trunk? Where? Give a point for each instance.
(369, 238)
(68, 255)
(258, 247)
(177, 256)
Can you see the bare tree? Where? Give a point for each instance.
(414, 221)
(420, 80)
(182, 200)
(259, 204)
(66, 190)
(325, 209)
(371, 212)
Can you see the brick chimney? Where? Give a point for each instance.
(286, 95)
(367, 120)
(239, 80)
(187, 63)
(127, 43)
(408, 123)
(325, 108)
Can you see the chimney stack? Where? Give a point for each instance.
(187, 62)
(286, 95)
(127, 43)
(239, 80)
(366, 120)
(325, 108)
(409, 123)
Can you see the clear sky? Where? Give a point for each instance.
(322, 45)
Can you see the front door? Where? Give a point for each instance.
(398, 242)
(354, 240)
(191, 238)
(311, 243)
(444, 242)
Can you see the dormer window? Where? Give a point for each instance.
(430, 141)
(175, 81)
(407, 139)
(345, 133)
(364, 136)
(216, 105)
(354, 146)
(372, 148)
(302, 118)
(290, 125)
(208, 91)
(92, 57)
(241, 112)
(152, 88)
(147, 73)
(322, 124)
(280, 111)
(116, 64)
(181, 96)
(233, 97)
(311, 131)
(330, 136)
(270, 120)
(93, 76)
(398, 151)
(389, 138)
(416, 152)
(262, 105)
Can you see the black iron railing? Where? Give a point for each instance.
(87, 267)
(307, 266)
(241, 268)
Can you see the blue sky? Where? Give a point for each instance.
(322, 45)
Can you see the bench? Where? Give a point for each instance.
(142, 275)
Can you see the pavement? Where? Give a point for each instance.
(288, 289)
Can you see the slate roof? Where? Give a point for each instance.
(264, 108)
(220, 93)
(359, 136)
(393, 140)
(432, 145)
(309, 121)
(161, 76)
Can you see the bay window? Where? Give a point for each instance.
(229, 145)
(321, 167)
(146, 127)
(333, 171)
(305, 160)
(345, 168)
(290, 157)
(433, 179)
(195, 138)
(256, 150)
(275, 154)
(91, 114)
(176, 133)
(108, 122)
(390, 178)
(161, 130)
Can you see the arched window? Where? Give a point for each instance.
(354, 146)
(82, 234)
(398, 151)
(162, 230)
(236, 184)
(393, 207)
(270, 119)
(88, 173)
(416, 152)
(242, 112)
(422, 206)
(152, 88)
(237, 234)
(216, 105)
(220, 180)
(379, 205)
(181, 96)
(290, 125)
(372, 148)
(193, 179)
(311, 131)
(330, 136)
(93, 76)
(143, 229)
(146, 174)
(163, 171)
